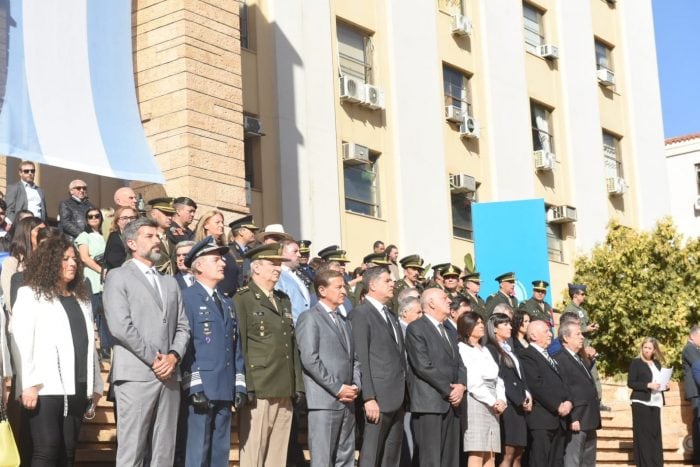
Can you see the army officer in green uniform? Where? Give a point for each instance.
(413, 266)
(535, 306)
(450, 276)
(506, 286)
(472, 286)
(273, 369)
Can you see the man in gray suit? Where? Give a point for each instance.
(331, 374)
(380, 349)
(25, 194)
(691, 354)
(146, 317)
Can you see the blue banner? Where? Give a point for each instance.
(511, 236)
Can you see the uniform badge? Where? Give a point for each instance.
(262, 329)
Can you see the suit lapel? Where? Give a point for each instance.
(445, 345)
(325, 316)
(579, 364)
(141, 277)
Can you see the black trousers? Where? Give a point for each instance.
(547, 447)
(646, 435)
(696, 430)
(437, 439)
(54, 436)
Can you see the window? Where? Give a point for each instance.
(541, 119)
(555, 242)
(603, 56)
(354, 53)
(534, 31)
(457, 89)
(243, 18)
(452, 7)
(362, 187)
(697, 177)
(462, 226)
(612, 155)
(251, 161)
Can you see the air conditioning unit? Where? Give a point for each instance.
(355, 154)
(561, 214)
(612, 2)
(605, 77)
(544, 160)
(697, 203)
(374, 97)
(252, 126)
(548, 51)
(462, 183)
(616, 185)
(461, 26)
(351, 89)
(454, 114)
(469, 128)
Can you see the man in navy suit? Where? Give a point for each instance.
(213, 366)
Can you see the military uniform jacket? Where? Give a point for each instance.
(537, 310)
(177, 234)
(478, 304)
(498, 297)
(214, 361)
(273, 368)
(398, 287)
(242, 262)
(166, 263)
(585, 321)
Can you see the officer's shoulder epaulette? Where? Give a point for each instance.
(242, 290)
(279, 293)
(495, 294)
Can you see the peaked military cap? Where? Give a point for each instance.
(576, 288)
(540, 285)
(304, 247)
(271, 251)
(376, 258)
(412, 261)
(439, 267)
(244, 222)
(164, 204)
(450, 270)
(186, 201)
(506, 277)
(473, 277)
(323, 253)
(205, 246)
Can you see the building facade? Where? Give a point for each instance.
(387, 120)
(683, 164)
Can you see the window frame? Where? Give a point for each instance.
(538, 142)
(464, 231)
(367, 52)
(465, 98)
(528, 32)
(555, 242)
(374, 203)
(243, 26)
(608, 49)
(612, 155)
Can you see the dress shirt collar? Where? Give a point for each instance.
(209, 290)
(538, 348)
(375, 303)
(435, 322)
(143, 267)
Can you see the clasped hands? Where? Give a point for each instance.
(164, 366)
(347, 393)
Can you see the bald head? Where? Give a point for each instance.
(125, 197)
(435, 303)
(538, 333)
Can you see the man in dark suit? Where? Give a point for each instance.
(458, 306)
(691, 354)
(331, 374)
(25, 194)
(437, 381)
(380, 349)
(552, 402)
(213, 366)
(584, 419)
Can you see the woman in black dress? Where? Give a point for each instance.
(513, 426)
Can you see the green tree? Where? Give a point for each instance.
(641, 284)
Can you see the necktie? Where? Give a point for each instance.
(272, 300)
(441, 327)
(154, 283)
(388, 323)
(339, 325)
(551, 361)
(580, 361)
(217, 300)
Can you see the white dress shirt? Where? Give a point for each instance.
(33, 199)
(482, 378)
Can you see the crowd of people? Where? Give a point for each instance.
(407, 364)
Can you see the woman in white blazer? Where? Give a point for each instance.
(57, 366)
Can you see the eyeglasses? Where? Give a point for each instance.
(94, 216)
(80, 188)
(28, 171)
(127, 218)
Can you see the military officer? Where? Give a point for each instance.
(213, 366)
(242, 237)
(335, 258)
(412, 268)
(273, 369)
(505, 294)
(303, 269)
(162, 211)
(536, 307)
(450, 276)
(472, 286)
(437, 281)
(179, 230)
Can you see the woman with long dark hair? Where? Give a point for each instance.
(23, 242)
(520, 322)
(513, 425)
(58, 370)
(647, 399)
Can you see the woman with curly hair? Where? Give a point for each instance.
(212, 223)
(57, 370)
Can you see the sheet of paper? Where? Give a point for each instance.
(664, 378)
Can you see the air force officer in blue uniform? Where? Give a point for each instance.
(213, 366)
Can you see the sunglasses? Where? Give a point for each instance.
(82, 188)
(94, 216)
(28, 171)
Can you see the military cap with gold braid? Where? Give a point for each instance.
(270, 251)
(473, 277)
(451, 270)
(439, 267)
(412, 261)
(506, 277)
(304, 247)
(379, 259)
(244, 222)
(333, 253)
(540, 285)
(164, 204)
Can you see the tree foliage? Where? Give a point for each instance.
(641, 284)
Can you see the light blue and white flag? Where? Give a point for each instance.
(70, 99)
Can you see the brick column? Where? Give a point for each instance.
(187, 66)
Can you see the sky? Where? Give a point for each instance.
(677, 29)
